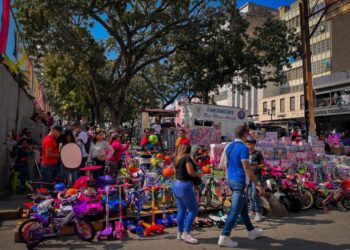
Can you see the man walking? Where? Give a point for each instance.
(237, 158)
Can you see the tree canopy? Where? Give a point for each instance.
(165, 48)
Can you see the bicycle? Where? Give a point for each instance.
(47, 224)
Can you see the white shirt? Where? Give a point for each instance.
(157, 128)
(81, 140)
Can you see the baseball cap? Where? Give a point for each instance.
(58, 128)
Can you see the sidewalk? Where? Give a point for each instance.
(9, 204)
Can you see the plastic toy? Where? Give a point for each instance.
(168, 220)
(168, 172)
(153, 227)
(153, 139)
(160, 156)
(167, 159)
(106, 233)
(93, 202)
(206, 170)
(119, 229)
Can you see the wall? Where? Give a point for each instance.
(340, 43)
(10, 100)
(297, 113)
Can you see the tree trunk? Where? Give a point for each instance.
(205, 97)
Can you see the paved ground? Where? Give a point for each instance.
(308, 230)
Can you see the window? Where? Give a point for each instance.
(295, 73)
(301, 102)
(273, 106)
(320, 47)
(321, 66)
(265, 107)
(282, 106)
(292, 103)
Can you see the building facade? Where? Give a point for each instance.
(330, 55)
(256, 15)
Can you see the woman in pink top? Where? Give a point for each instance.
(115, 162)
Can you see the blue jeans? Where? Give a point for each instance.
(186, 202)
(48, 173)
(254, 198)
(239, 206)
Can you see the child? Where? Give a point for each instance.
(257, 163)
(22, 161)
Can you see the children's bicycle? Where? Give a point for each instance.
(46, 224)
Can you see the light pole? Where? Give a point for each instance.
(270, 113)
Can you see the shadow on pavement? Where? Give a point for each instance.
(288, 244)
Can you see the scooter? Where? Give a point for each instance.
(118, 226)
(153, 227)
(106, 233)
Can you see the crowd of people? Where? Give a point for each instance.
(240, 159)
(30, 161)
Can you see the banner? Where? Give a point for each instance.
(23, 58)
(7, 61)
(5, 24)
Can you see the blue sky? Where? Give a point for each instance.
(100, 33)
(268, 3)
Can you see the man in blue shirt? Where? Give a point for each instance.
(238, 168)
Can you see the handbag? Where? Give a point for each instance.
(196, 181)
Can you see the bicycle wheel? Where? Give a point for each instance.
(84, 230)
(307, 199)
(202, 200)
(168, 198)
(31, 231)
(319, 201)
(346, 201)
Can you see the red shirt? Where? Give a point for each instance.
(49, 143)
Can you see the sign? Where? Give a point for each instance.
(211, 112)
(332, 111)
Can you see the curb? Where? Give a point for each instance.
(8, 214)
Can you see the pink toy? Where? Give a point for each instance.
(119, 229)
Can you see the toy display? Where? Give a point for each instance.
(296, 178)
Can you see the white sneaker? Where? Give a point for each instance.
(188, 238)
(256, 233)
(178, 236)
(258, 217)
(225, 241)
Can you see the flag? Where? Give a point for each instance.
(5, 24)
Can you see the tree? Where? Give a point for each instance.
(140, 33)
(213, 62)
(74, 69)
(201, 43)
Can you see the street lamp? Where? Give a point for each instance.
(271, 112)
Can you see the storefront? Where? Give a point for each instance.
(332, 103)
